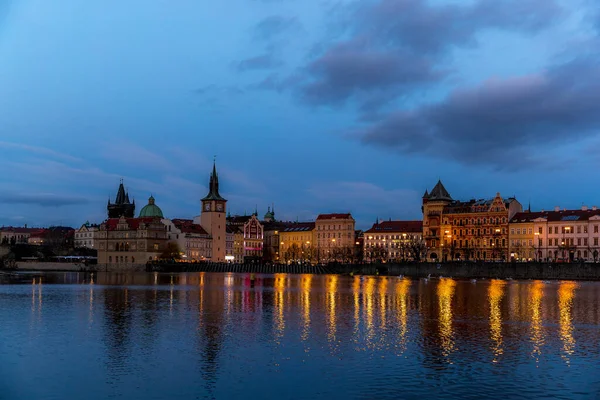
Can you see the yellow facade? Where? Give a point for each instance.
(522, 240)
(297, 243)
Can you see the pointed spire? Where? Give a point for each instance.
(426, 195)
(120, 193)
(213, 191)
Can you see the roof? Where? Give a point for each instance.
(439, 192)
(397, 226)
(134, 223)
(335, 216)
(18, 230)
(555, 216)
(188, 226)
(299, 227)
(238, 219)
(151, 209)
(213, 190)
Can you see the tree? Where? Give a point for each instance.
(171, 252)
(417, 248)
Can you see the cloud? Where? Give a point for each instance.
(275, 25)
(504, 123)
(263, 61)
(38, 150)
(387, 49)
(355, 69)
(42, 199)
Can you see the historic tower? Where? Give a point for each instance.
(121, 206)
(212, 217)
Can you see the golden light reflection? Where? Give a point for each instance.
(495, 294)
(332, 282)
(566, 293)
(368, 301)
(535, 308)
(306, 283)
(201, 278)
(402, 291)
(383, 284)
(172, 287)
(279, 285)
(445, 292)
(91, 315)
(356, 297)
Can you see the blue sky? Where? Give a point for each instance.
(318, 106)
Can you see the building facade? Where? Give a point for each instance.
(193, 241)
(126, 241)
(394, 241)
(465, 230)
(557, 236)
(86, 236)
(297, 243)
(334, 236)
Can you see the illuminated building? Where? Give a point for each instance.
(124, 242)
(335, 239)
(393, 240)
(193, 241)
(559, 235)
(297, 242)
(463, 230)
(252, 235)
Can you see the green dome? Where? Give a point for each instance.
(151, 209)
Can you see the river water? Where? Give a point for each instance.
(195, 336)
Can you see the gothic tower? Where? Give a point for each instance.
(212, 217)
(122, 206)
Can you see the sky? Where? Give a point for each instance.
(314, 106)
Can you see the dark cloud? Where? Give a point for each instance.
(264, 61)
(275, 25)
(397, 46)
(502, 123)
(355, 69)
(42, 199)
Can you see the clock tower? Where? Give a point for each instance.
(212, 217)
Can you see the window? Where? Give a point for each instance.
(596, 241)
(595, 228)
(578, 241)
(530, 231)
(512, 231)
(540, 230)
(585, 242)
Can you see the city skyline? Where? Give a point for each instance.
(351, 106)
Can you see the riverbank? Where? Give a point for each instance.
(466, 270)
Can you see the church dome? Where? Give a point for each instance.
(151, 209)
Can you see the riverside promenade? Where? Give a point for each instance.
(466, 270)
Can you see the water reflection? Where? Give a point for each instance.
(495, 294)
(402, 291)
(566, 293)
(535, 307)
(217, 328)
(445, 292)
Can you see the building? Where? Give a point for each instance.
(394, 240)
(558, 235)
(335, 236)
(253, 235)
(86, 236)
(37, 238)
(123, 242)
(463, 230)
(16, 235)
(297, 243)
(193, 241)
(212, 218)
(237, 233)
(122, 206)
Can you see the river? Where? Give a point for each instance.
(195, 336)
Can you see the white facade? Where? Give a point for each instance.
(86, 236)
(192, 239)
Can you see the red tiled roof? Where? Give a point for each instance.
(555, 216)
(334, 216)
(133, 223)
(397, 226)
(188, 226)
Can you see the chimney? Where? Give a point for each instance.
(557, 208)
(584, 208)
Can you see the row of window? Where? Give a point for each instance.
(394, 237)
(566, 230)
(332, 235)
(479, 231)
(332, 227)
(478, 221)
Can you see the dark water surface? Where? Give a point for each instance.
(157, 336)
